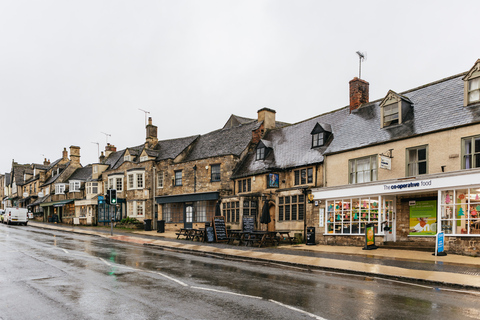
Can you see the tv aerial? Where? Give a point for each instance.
(106, 136)
(145, 115)
(361, 57)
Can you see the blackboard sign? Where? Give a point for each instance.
(220, 229)
(210, 234)
(248, 224)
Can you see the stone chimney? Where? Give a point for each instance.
(46, 162)
(75, 154)
(268, 117)
(109, 148)
(102, 157)
(65, 154)
(152, 138)
(41, 176)
(358, 93)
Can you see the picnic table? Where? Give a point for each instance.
(261, 238)
(237, 235)
(191, 234)
(285, 236)
(185, 232)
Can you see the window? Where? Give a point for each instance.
(231, 211)
(60, 188)
(178, 178)
(95, 169)
(317, 139)
(260, 155)
(74, 186)
(115, 183)
(160, 179)
(215, 172)
(390, 114)
(303, 176)
(119, 184)
(143, 158)
(351, 216)
(126, 157)
(291, 208)
(474, 90)
(416, 161)
(363, 169)
(92, 188)
(136, 208)
(135, 180)
(249, 208)
(471, 152)
(245, 185)
(460, 212)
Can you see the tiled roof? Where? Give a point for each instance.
(82, 174)
(170, 149)
(291, 145)
(436, 106)
(228, 141)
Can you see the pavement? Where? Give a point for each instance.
(402, 265)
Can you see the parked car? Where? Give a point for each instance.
(15, 216)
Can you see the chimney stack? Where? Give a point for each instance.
(358, 93)
(102, 157)
(46, 162)
(75, 154)
(152, 138)
(268, 117)
(65, 154)
(109, 148)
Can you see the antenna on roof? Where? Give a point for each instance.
(106, 136)
(145, 115)
(98, 147)
(361, 57)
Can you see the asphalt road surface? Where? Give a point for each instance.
(58, 275)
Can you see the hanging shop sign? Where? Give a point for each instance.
(385, 162)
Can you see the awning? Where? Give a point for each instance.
(56, 203)
(206, 196)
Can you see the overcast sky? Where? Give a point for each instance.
(70, 70)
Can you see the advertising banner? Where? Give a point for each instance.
(423, 217)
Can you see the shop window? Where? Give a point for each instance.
(417, 161)
(303, 176)
(363, 169)
(471, 152)
(350, 216)
(291, 208)
(459, 212)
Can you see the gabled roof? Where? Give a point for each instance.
(170, 149)
(292, 145)
(436, 106)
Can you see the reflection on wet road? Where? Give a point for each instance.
(86, 277)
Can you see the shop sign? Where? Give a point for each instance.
(385, 162)
(440, 244)
(273, 180)
(321, 216)
(423, 218)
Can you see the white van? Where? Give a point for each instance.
(15, 216)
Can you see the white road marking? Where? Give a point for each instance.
(227, 292)
(298, 310)
(173, 279)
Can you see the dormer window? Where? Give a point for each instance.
(260, 154)
(472, 85)
(320, 134)
(394, 109)
(126, 157)
(143, 158)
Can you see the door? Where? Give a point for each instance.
(188, 216)
(389, 223)
(271, 225)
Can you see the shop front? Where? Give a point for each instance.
(413, 210)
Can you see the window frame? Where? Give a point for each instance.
(372, 170)
(303, 176)
(475, 90)
(178, 180)
(215, 174)
(393, 121)
(133, 179)
(160, 179)
(473, 153)
(74, 186)
(416, 162)
(60, 188)
(318, 139)
(260, 153)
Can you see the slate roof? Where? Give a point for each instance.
(82, 174)
(170, 149)
(227, 141)
(53, 178)
(436, 106)
(291, 145)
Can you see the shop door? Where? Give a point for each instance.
(188, 216)
(389, 224)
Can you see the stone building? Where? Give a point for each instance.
(408, 164)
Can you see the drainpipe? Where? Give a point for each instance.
(195, 179)
(154, 219)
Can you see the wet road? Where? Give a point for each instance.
(58, 275)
